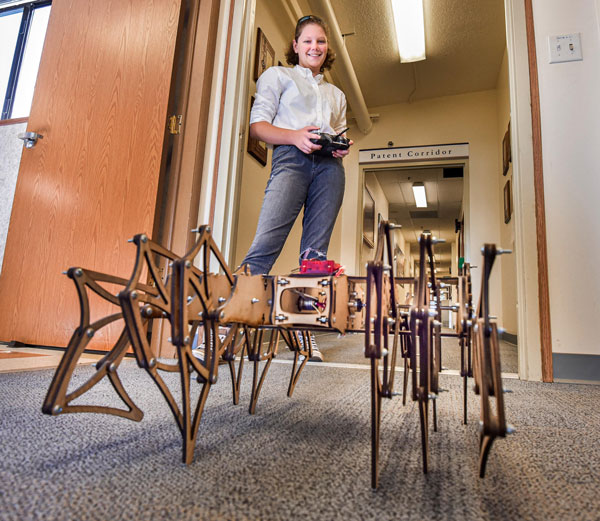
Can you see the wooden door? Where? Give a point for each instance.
(91, 183)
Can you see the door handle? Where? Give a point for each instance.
(29, 138)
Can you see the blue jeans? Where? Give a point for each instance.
(297, 180)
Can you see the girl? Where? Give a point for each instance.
(290, 104)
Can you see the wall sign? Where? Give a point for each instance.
(419, 153)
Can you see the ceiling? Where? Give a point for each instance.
(465, 42)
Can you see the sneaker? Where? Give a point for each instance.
(199, 348)
(317, 356)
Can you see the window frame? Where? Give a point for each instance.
(29, 8)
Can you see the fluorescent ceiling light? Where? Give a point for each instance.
(410, 29)
(420, 196)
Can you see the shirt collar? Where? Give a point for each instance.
(307, 73)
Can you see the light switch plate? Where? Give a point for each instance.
(565, 48)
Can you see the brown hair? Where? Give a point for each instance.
(292, 57)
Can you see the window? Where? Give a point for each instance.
(22, 31)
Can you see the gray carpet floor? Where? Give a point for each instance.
(305, 457)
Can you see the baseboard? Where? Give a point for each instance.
(576, 368)
(508, 337)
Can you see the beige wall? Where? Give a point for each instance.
(471, 118)
(507, 230)
(570, 114)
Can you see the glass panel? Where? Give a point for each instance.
(10, 21)
(31, 63)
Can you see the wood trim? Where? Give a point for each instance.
(213, 196)
(14, 121)
(540, 208)
(211, 44)
(183, 173)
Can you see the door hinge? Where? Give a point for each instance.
(175, 124)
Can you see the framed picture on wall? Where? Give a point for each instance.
(265, 54)
(506, 154)
(256, 148)
(507, 202)
(368, 218)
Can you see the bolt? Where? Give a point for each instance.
(195, 230)
(129, 240)
(112, 368)
(201, 314)
(254, 300)
(152, 362)
(386, 267)
(393, 226)
(438, 241)
(432, 396)
(384, 352)
(221, 300)
(324, 282)
(506, 391)
(57, 409)
(89, 332)
(503, 252)
(480, 426)
(189, 299)
(222, 315)
(333, 320)
(148, 311)
(208, 230)
(188, 264)
(280, 317)
(270, 302)
(78, 272)
(373, 319)
(510, 429)
(282, 282)
(391, 321)
(186, 340)
(323, 320)
(64, 272)
(144, 238)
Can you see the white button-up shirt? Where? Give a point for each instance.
(293, 98)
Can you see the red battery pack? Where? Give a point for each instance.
(317, 267)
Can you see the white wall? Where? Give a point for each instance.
(471, 118)
(10, 157)
(570, 115)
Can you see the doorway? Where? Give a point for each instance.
(393, 190)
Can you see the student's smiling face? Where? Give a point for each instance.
(311, 47)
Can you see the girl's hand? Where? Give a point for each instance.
(342, 153)
(302, 140)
